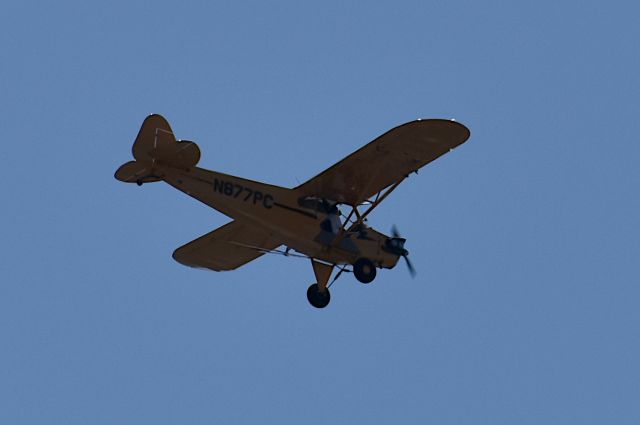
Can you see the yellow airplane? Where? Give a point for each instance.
(305, 219)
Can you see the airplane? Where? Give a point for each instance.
(306, 219)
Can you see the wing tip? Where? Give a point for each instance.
(450, 131)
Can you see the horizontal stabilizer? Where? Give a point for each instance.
(136, 172)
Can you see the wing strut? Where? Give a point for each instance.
(380, 196)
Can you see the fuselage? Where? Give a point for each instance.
(278, 209)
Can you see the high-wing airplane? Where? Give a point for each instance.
(306, 220)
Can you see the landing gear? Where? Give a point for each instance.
(139, 182)
(318, 298)
(364, 270)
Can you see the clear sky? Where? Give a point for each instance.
(526, 238)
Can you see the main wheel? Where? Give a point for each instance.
(364, 270)
(317, 298)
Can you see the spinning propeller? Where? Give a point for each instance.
(396, 245)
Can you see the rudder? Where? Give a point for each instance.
(155, 147)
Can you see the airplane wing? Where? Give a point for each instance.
(226, 248)
(386, 160)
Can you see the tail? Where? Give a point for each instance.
(154, 148)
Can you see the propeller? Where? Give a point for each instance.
(395, 232)
(412, 270)
(400, 250)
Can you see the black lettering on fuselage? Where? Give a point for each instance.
(228, 188)
(249, 195)
(268, 201)
(257, 196)
(218, 186)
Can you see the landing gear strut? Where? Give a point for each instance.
(318, 298)
(318, 293)
(364, 270)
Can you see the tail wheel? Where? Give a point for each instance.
(318, 298)
(364, 270)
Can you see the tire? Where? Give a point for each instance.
(317, 298)
(364, 270)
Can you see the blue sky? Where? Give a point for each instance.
(524, 309)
